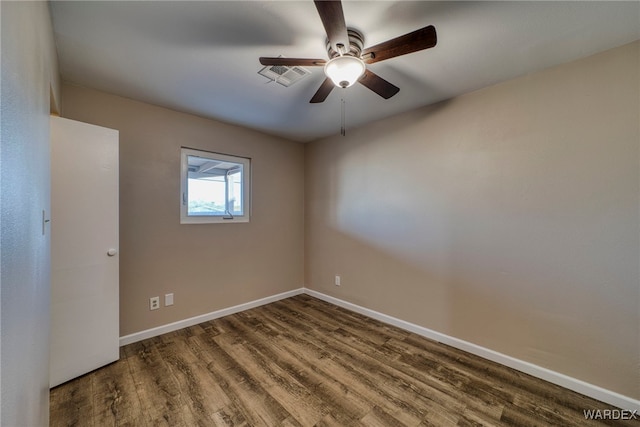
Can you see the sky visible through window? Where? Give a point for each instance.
(206, 196)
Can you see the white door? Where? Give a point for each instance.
(84, 249)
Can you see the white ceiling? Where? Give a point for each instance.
(202, 57)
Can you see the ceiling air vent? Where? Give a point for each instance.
(284, 75)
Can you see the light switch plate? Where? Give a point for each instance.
(168, 299)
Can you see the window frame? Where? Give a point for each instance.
(185, 218)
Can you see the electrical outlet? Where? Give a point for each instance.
(337, 281)
(154, 303)
(168, 299)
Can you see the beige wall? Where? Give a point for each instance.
(507, 217)
(207, 266)
(29, 70)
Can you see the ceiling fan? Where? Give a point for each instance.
(348, 59)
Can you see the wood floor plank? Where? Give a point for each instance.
(355, 381)
(248, 396)
(488, 383)
(114, 391)
(491, 381)
(72, 403)
(305, 362)
(377, 417)
(201, 394)
(358, 363)
(158, 392)
(296, 399)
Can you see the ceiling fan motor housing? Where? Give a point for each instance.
(356, 45)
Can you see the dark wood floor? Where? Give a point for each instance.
(304, 362)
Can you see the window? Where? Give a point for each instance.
(214, 187)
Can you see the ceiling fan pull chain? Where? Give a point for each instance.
(343, 130)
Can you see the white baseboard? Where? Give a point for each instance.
(557, 378)
(562, 380)
(154, 332)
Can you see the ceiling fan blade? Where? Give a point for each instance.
(332, 17)
(378, 85)
(323, 91)
(292, 62)
(421, 39)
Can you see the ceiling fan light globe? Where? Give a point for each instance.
(344, 71)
